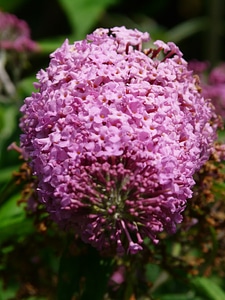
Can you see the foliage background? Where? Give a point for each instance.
(36, 263)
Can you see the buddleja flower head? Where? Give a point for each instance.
(15, 34)
(15, 47)
(213, 83)
(114, 135)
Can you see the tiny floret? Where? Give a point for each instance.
(114, 135)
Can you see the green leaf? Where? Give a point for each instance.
(221, 136)
(25, 87)
(8, 126)
(69, 274)
(11, 5)
(83, 274)
(152, 272)
(7, 121)
(51, 44)
(96, 272)
(208, 288)
(13, 220)
(83, 14)
(6, 173)
(186, 296)
(186, 29)
(8, 293)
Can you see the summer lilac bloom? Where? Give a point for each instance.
(114, 135)
(15, 34)
(215, 88)
(212, 83)
(15, 45)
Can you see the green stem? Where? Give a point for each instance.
(214, 40)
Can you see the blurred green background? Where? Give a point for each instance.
(196, 25)
(30, 262)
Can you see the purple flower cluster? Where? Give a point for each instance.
(15, 34)
(114, 135)
(213, 83)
